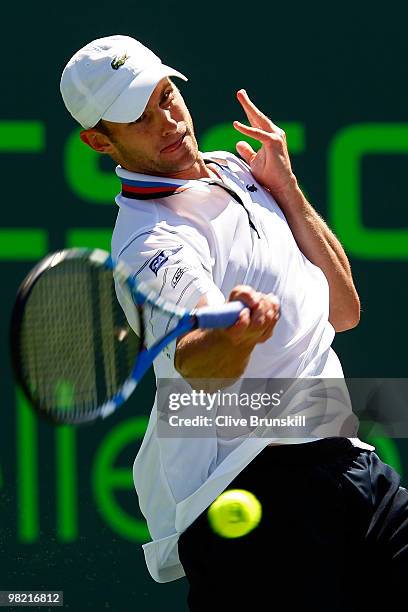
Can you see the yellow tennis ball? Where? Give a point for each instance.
(234, 513)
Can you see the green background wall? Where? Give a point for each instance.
(334, 76)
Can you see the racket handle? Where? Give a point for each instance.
(211, 317)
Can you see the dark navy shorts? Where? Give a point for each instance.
(333, 536)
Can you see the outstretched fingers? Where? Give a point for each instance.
(255, 116)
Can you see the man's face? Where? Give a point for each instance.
(161, 141)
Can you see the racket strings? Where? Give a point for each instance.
(76, 347)
(55, 343)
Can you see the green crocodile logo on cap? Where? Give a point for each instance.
(117, 62)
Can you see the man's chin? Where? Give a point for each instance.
(172, 164)
(180, 161)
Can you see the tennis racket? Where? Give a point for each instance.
(73, 351)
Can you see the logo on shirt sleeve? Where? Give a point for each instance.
(177, 275)
(161, 258)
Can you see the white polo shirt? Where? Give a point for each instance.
(193, 238)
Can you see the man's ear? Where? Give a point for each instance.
(96, 140)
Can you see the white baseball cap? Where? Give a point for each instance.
(111, 78)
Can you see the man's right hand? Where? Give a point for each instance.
(257, 322)
(210, 354)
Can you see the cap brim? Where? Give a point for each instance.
(131, 103)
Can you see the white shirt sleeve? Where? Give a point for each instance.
(170, 265)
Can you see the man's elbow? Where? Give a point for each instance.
(346, 324)
(345, 320)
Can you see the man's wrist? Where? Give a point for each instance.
(290, 198)
(241, 342)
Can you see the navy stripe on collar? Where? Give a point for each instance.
(148, 190)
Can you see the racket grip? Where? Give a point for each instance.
(211, 317)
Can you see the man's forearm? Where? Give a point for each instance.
(209, 354)
(318, 243)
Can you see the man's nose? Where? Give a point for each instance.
(168, 123)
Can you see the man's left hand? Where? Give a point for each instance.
(270, 165)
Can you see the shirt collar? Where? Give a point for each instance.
(138, 186)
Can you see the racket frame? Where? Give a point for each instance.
(141, 295)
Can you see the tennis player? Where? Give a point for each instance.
(205, 228)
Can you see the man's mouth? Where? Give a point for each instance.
(175, 145)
